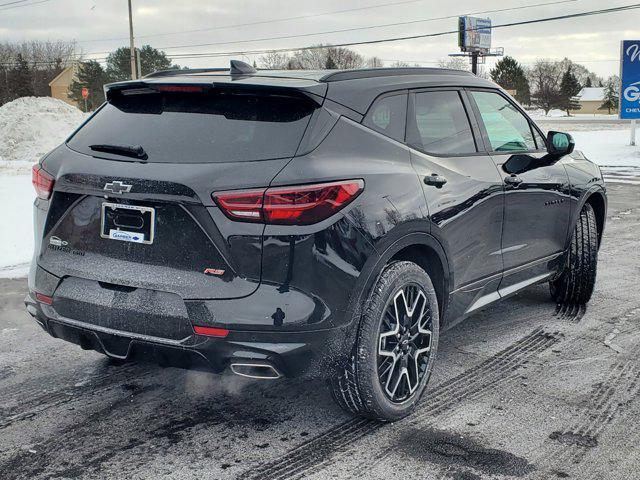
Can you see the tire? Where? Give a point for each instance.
(575, 284)
(374, 383)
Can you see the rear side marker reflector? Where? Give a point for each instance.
(213, 271)
(42, 182)
(295, 205)
(44, 299)
(211, 331)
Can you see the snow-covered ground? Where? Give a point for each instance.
(560, 115)
(16, 237)
(31, 127)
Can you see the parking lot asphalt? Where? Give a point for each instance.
(521, 390)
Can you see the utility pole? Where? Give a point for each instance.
(132, 49)
(474, 62)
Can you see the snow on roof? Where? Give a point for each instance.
(593, 94)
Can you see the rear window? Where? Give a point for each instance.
(199, 127)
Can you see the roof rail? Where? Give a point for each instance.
(183, 71)
(388, 72)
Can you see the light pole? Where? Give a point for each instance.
(132, 50)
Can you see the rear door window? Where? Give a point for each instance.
(507, 128)
(439, 124)
(199, 127)
(388, 115)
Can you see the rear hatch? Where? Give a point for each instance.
(132, 201)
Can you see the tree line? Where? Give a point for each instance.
(93, 76)
(27, 68)
(553, 84)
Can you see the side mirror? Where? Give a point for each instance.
(560, 143)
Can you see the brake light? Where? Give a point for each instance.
(42, 182)
(296, 205)
(211, 331)
(181, 88)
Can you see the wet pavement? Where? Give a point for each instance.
(521, 390)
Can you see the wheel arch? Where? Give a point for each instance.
(418, 247)
(598, 202)
(596, 197)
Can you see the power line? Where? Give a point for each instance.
(396, 39)
(260, 22)
(23, 5)
(410, 37)
(353, 29)
(384, 25)
(11, 3)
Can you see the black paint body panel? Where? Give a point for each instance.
(291, 295)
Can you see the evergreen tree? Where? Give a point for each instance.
(611, 98)
(92, 76)
(588, 83)
(151, 60)
(19, 79)
(569, 88)
(330, 64)
(511, 76)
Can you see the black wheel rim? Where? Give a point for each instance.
(404, 343)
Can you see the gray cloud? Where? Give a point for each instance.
(593, 40)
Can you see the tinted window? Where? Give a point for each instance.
(507, 128)
(440, 124)
(388, 116)
(201, 127)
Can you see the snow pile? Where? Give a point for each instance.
(32, 126)
(16, 233)
(607, 148)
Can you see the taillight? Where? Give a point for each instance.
(296, 205)
(241, 204)
(42, 182)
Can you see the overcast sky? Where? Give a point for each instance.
(100, 26)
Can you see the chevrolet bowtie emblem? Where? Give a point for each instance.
(117, 187)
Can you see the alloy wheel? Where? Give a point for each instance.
(404, 343)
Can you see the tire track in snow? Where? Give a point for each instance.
(320, 451)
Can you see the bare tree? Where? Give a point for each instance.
(545, 77)
(274, 61)
(44, 60)
(345, 58)
(374, 62)
(454, 63)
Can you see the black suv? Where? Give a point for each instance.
(325, 223)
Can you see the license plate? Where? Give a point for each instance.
(128, 223)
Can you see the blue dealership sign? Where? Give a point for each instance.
(630, 79)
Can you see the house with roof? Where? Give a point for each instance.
(60, 85)
(591, 100)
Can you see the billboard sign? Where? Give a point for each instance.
(474, 34)
(630, 79)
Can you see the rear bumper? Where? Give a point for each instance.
(315, 353)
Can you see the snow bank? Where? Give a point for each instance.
(16, 233)
(608, 148)
(31, 127)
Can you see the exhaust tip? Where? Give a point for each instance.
(261, 371)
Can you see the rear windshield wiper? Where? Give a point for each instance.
(135, 151)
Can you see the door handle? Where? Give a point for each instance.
(513, 179)
(435, 180)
